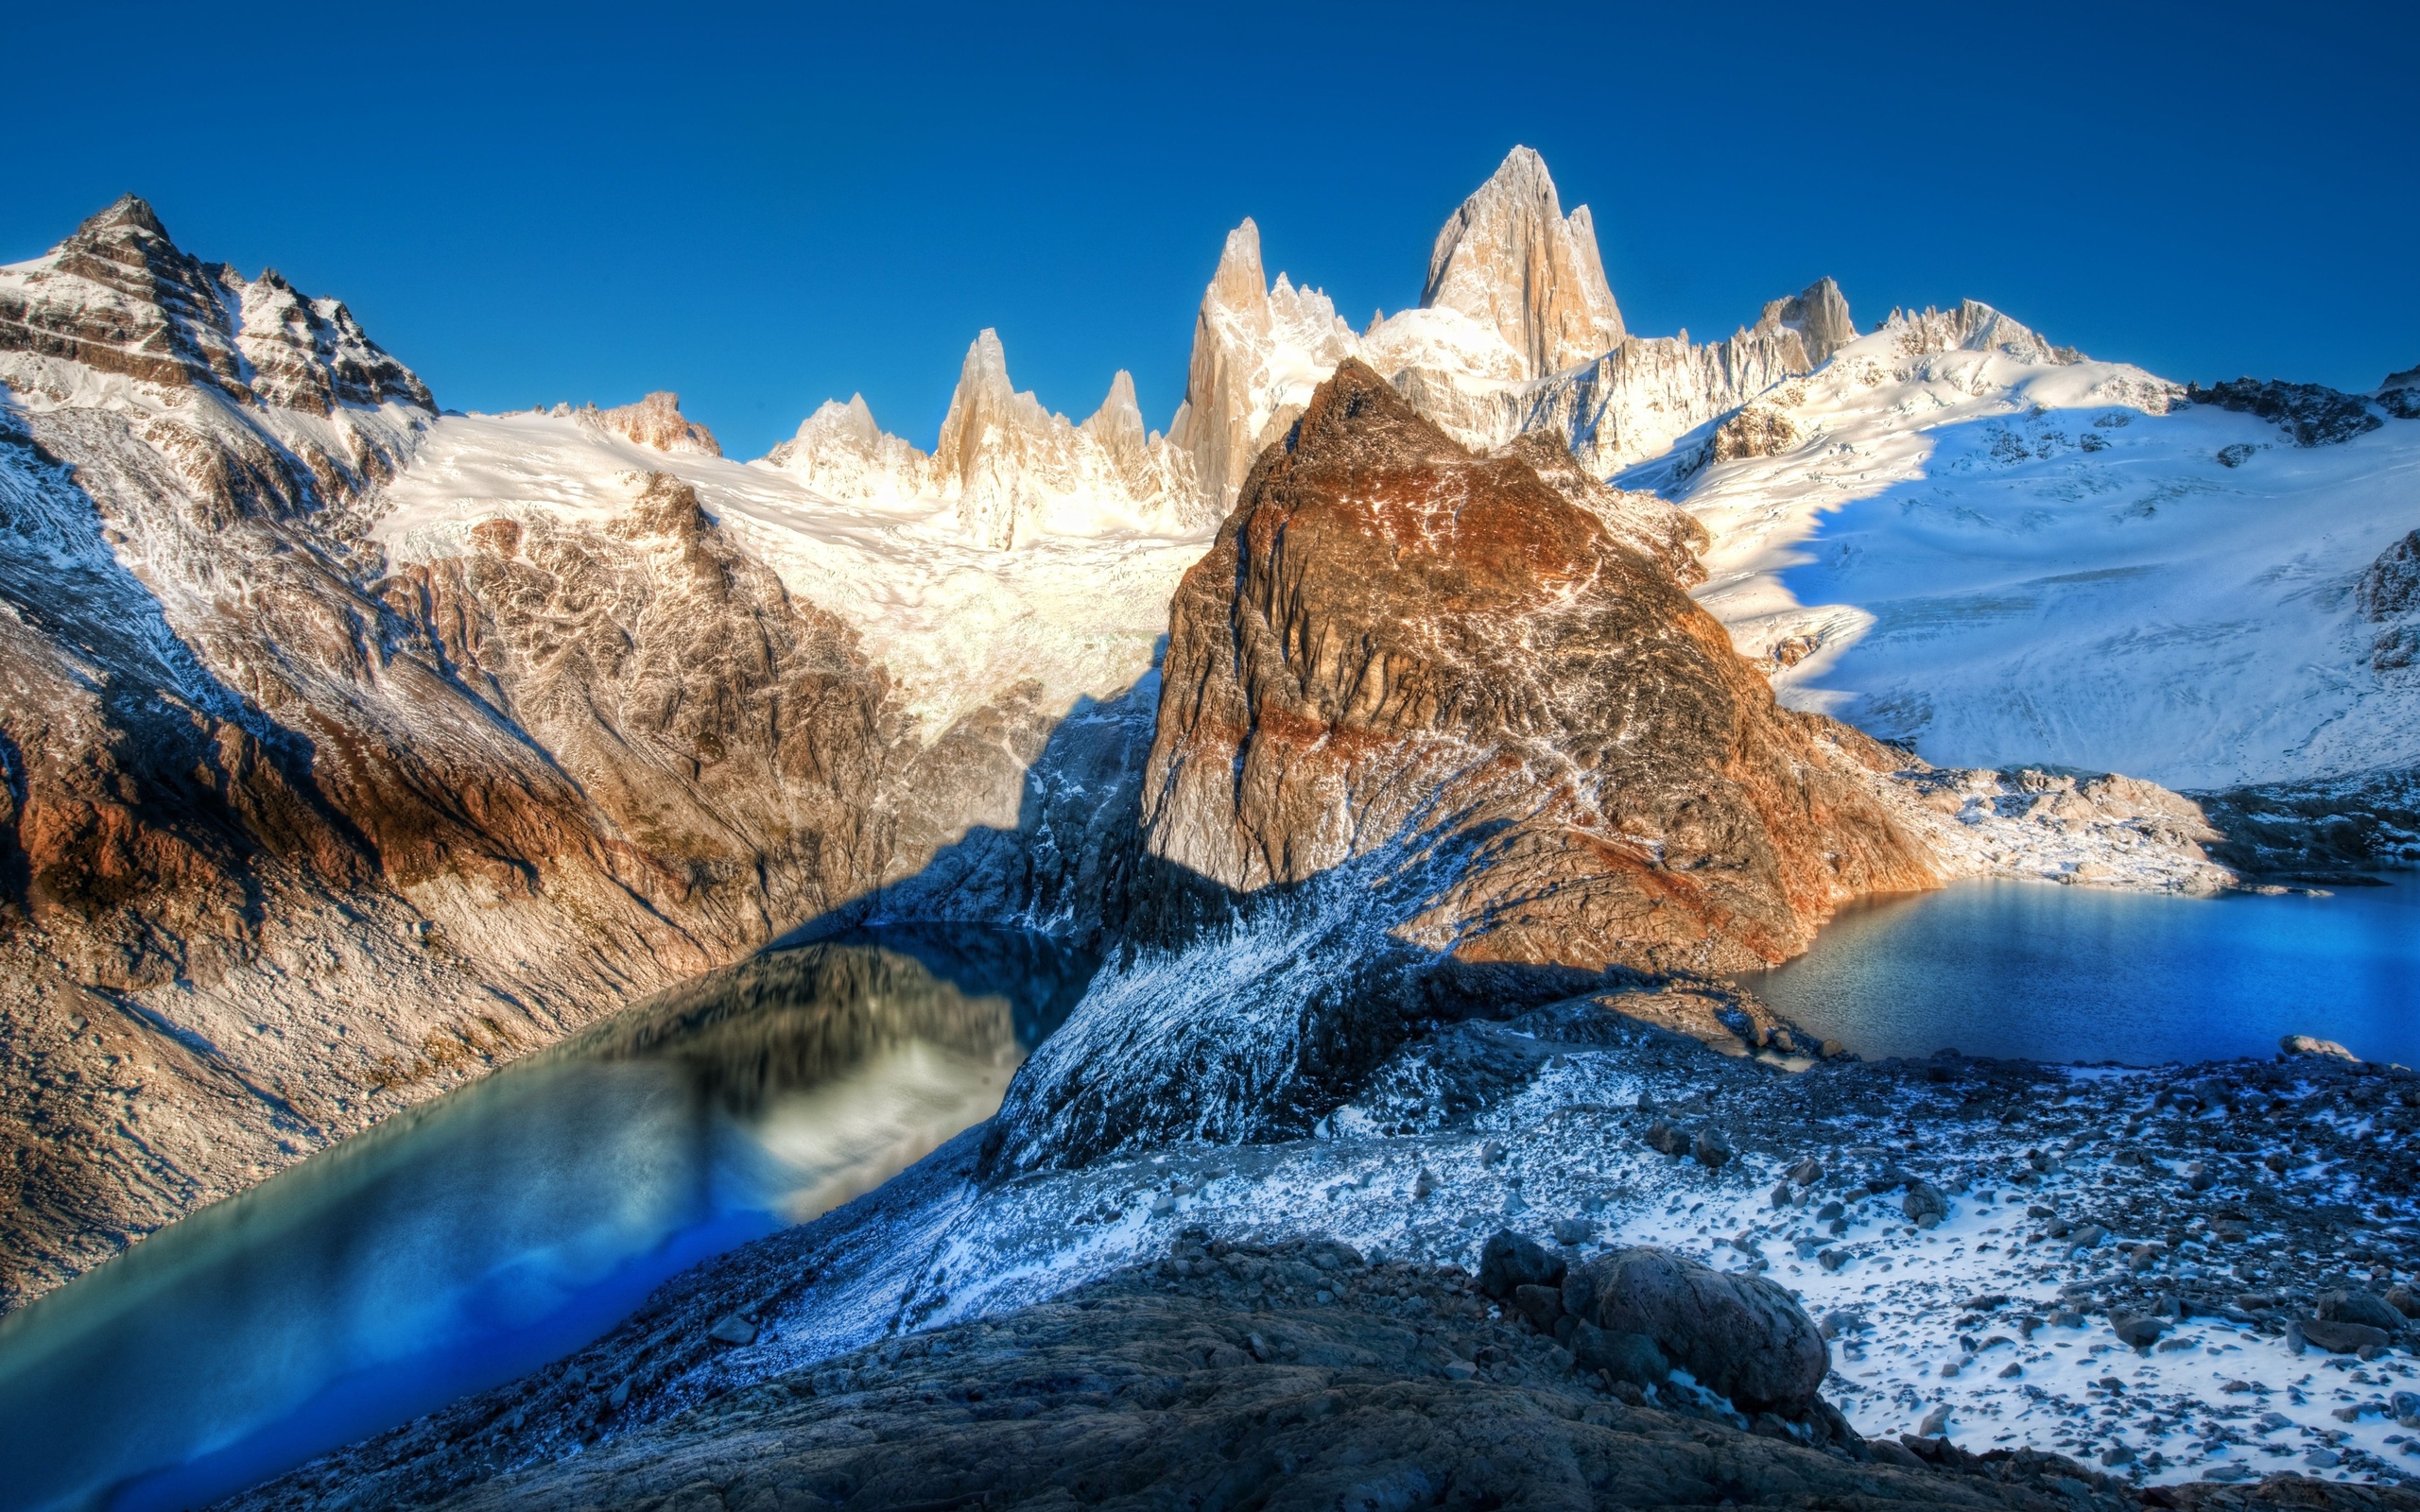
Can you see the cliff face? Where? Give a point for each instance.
(1517, 333)
(1510, 259)
(298, 827)
(1392, 636)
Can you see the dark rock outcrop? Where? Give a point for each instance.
(1145, 1391)
(2309, 414)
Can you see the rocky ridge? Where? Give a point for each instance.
(1517, 333)
(1007, 466)
(299, 830)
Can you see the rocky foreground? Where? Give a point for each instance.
(2022, 1285)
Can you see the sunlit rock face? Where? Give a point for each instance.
(1394, 637)
(1517, 333)
(1510, 260)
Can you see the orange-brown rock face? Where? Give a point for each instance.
(1394, 640)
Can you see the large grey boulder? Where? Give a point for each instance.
(1741, 1336)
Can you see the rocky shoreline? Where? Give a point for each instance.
(2037, 1285)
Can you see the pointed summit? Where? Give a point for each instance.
(132, 212)
(1239, 283)
(1510, 260)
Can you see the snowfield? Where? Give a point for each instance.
(955, 624)
(2011, 560)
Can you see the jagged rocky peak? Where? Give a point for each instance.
(120, 296)
(1117, 427)
(1394, 638)
(840, 453)
(655, 422)
(1257, 350)
(1974, 326)
(1016, 468)
(1820, 317)
(1510, 260)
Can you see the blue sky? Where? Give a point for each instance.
(762, 208)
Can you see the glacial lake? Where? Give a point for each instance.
(463, 1242)
(2071, 973)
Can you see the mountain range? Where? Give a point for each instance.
(353, 746)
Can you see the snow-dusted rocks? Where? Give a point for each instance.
(119, 297)
(1511, 261)
(655, 422)
(842, 455)
(1014, 469)
(1008, 469)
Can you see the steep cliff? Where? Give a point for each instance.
(1391, 632)
(350, 748)
(1431, 738)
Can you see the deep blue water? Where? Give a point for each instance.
(464, 1243)
(2089, 975)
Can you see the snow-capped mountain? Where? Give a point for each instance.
(1516, 332)
(1009, 469)
(351, 746)
(2002, 552)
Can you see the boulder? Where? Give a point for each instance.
(2355, 1304)
(2139, 1329)
(2303, 1044)
(1741, 1336)
(1508, 1261)
(1711, 1149)
(1663, 1137)
(2345, 1338)
(1924, 1200)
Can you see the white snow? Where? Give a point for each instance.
(2013, 561)
(954, 623)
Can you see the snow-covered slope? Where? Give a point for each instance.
(953, 625)
(1006, 470)
(2006, 554)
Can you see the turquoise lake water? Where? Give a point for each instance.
(2050, 972)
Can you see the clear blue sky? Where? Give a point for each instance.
(762, 208)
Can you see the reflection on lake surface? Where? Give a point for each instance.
(465, 1242)
(2092, 974)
